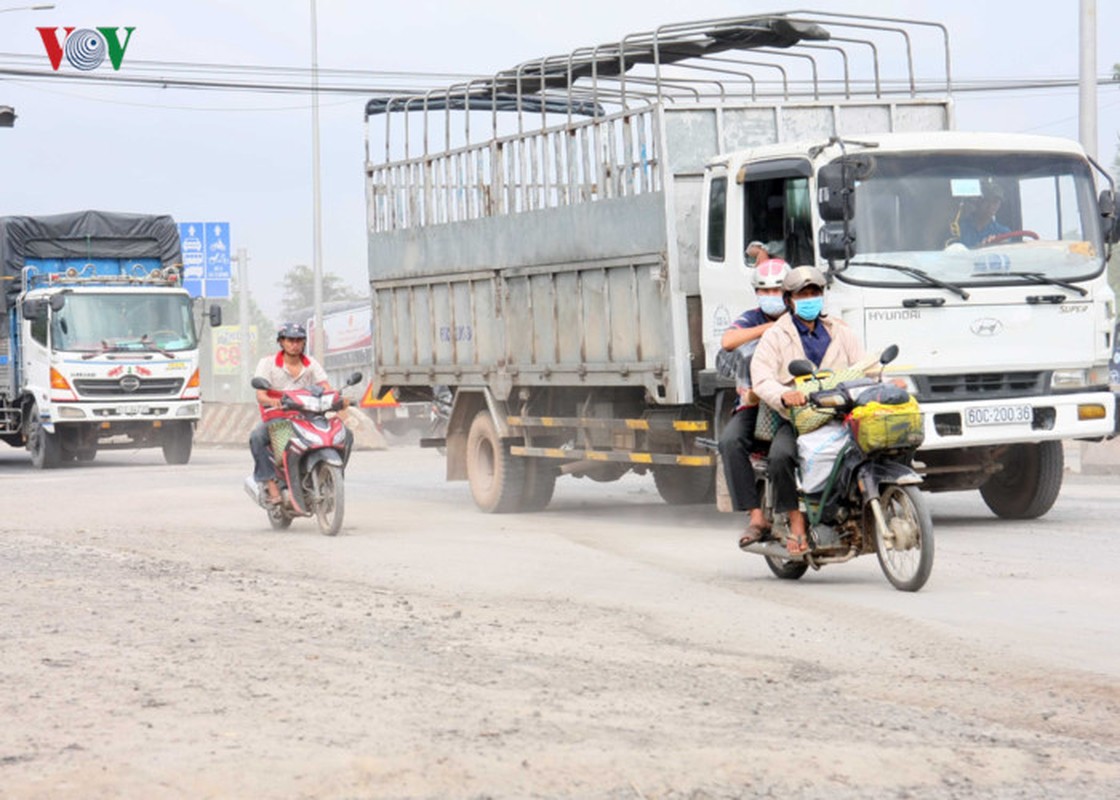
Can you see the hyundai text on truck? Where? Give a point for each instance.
(99, 347)
(563, 245)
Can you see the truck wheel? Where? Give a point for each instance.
(682, 486)
(178, 439)
(540, 483)
(496, 477)
(45, 448)
(1029, 482)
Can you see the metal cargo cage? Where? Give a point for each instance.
(541, 226)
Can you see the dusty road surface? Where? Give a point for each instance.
(157, 639)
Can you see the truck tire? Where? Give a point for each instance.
(497, 479)
(1029, 482)
(540, 483)
(45, 448)
(178, 439)
(682, 486)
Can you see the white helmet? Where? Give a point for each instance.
(769, 274)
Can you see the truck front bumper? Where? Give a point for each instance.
(1083, 415)
(111, 412)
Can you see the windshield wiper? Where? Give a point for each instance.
(1040, 277)
(105, 348)
(920, 274)
(149, 344)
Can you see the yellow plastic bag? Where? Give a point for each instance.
(876, 426)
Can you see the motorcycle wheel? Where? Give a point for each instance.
(279, 520)
(906, 560)
(328, 497)
(785, 568)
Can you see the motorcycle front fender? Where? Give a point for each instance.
(873, 474)
(328, 454)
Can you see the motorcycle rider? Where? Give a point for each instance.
(289, 368)
(737, 440)
(803, 333)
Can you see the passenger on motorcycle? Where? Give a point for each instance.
(803, 333)
(736, 442)
(288, 369)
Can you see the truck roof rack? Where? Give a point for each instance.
(101, 274)
(698, 60)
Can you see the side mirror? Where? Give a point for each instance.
(1107, 203)
(355, 377)
(836, 192)
(215, 316)
(836, 242)
(800, 367)
(260, 383)
(33, 310)
(58, 302)
(889, 355)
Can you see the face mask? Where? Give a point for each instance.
(809, 308)
(771, 306)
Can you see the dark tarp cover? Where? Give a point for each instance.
(85, 234)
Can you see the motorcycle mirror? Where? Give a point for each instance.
(354, 378)
(260, 383)
(889, 355)
(800, 367)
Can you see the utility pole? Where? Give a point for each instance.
(317, 249)
(1087, 80)
(243, 317)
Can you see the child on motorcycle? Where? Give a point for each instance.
(736, 442)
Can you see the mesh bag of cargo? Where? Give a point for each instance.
(884, 426)
(807, 418)
(279, 433)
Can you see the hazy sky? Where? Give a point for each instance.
(246, 158)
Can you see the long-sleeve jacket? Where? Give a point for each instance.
(770, 376)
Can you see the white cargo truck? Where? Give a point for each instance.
(99, 347)
(563, 245)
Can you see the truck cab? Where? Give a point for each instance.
(103, 362)
(982, 256)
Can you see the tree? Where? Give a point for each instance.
(299, 289)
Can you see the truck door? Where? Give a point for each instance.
(769, 203)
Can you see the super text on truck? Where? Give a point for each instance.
(563, 244)
(99, 347)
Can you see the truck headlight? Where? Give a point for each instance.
(189, 410)
(1064, 380)
(70, 412)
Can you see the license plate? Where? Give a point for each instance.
(998, 415)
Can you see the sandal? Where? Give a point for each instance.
(753, 535)
(797, 544)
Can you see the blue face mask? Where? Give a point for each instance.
(771, 305)
(810, 308)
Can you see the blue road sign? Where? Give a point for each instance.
(192, 239)
(206, 262)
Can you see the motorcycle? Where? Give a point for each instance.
(868, 500)
(310, 453)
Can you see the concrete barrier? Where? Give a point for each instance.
(229, 425)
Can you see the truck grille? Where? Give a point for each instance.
(150, 387)
(981, 385)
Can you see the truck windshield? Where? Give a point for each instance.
(976, 218)
(94, 323)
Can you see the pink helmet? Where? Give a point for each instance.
(769, 274)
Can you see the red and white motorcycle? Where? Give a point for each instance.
(310, 452)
